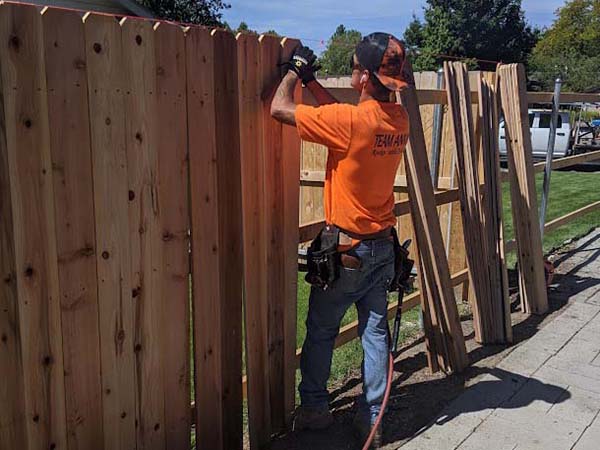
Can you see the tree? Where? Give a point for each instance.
(203, 12)
(335, 60)
(484, 30)
(570, 49)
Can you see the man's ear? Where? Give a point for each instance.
(364, 77)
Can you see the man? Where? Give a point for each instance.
(366, 143)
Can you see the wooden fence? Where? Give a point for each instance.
(146, 196)
(121, 149)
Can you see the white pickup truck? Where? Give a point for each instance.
(539, 124)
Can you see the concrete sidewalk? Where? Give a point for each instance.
(546, 393)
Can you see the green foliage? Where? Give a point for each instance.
(203, 12)
(335, 60)
(570, 49)
(493, 30)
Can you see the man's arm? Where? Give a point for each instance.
(283, 107)
(321, 95)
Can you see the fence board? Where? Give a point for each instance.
(230, 231)
(255, 256)
(522, 185)
(216, 234)
(173, 201)
(13, 433)
(290, 166)
(205, 238)
(270, 53)
(104, 61)
(137, 37)
(30, 174)
(64, 43)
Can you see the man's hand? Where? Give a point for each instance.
(303, 64)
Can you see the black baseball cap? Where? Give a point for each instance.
(383, 55)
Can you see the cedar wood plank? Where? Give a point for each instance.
(104, 61)
(230, 232)
(270, 53)
(208, 351)
(13, 427)
(68, 113)
(173, 201)
(139, 69)
(429, 237)
(290, 156)
(255, 256)
(30, 174)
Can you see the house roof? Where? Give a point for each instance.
(124, 7)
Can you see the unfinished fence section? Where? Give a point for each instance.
(123, 214)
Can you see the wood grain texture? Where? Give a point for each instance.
(173, 201)
(13, 418)
(255, 254)
(145, 239)
(290, 166)
(522, 185)
(216, 236)
(64, 48)
(30, 175)
(430, 243)
(230, 232)
(116, 296)
(270, 54)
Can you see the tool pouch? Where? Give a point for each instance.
(323, 259)
(403, 265)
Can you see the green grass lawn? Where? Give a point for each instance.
(569, 191)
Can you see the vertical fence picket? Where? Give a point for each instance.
(116, 297)
(173, 201)
(75, 231)
(290, 167)
(270, 53)
(30, 174)
(13, 420)
(255, 281)
(137, 38)
(216, 236)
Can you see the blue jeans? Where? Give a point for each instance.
(367, 288)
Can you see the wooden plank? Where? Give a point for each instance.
(492, 201)
(216, 236)
(429, 241)
(173, 201)
(402, 208)
(30, 175)
(290, 167)
(255, 255)
(270, 54)
(205, 237)
(317, 178)
(565, 97)
(116, 296)
(560, 221)
(569, 161)
(13, 418)
(524, 200)
(145, 240)
(487, 329)
(64, 43)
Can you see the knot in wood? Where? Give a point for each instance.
(14, 42)
(138, 40)
(97, 47)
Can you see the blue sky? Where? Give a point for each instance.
(313, 21)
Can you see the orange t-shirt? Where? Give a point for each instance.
(366, 143)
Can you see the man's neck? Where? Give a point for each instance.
(365, 96)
